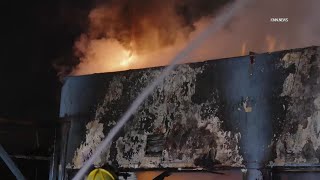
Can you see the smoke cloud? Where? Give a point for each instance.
(125, 34)
(253, 30)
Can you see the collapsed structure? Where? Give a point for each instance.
(252, 112)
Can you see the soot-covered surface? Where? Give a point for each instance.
(229, 112)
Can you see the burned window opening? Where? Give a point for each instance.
(154, 145)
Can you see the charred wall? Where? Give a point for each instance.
(231, 112)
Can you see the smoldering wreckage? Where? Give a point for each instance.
(259, 115)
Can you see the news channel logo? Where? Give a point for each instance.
(279, 20)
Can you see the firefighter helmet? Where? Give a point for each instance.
(100, 174)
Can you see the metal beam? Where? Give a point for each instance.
(39, 158)
(11, 165)
(53, 173)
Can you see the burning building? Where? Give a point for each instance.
(256, 113)
(259, 113)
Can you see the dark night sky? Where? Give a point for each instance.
(36, 33)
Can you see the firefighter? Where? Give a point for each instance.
(102, 173)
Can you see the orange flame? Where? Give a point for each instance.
(128, 60)
(271, 43)
(156, 33)
(243, 48)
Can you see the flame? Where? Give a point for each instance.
(271, 43)
(124, 35)
(243, 48)
(121, 58)
(106, 55)
(110, 55)
(128, 60)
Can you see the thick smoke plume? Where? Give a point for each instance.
(126, 34)
(132, 34)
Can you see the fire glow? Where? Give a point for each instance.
(123, 35)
